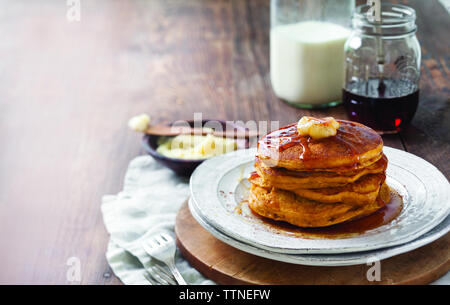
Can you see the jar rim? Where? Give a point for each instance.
(396, 19)
(391, 14)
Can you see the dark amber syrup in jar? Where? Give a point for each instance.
(380, 104)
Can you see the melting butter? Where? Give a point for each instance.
(193, 147)
(317, 128)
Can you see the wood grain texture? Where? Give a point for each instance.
(67, 90)
(227, 265)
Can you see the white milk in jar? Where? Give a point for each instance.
(307, 62)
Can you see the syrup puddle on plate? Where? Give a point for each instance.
(343, 230)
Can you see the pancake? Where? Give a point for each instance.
(287, 206)
(363, 191)
(290, 180)
(310, 180)
(354, 146)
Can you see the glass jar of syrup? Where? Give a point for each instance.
(382, 68)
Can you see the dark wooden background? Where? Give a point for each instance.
(67, 90)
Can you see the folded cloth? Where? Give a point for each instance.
(151, 197)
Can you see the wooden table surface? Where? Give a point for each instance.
(67, 90)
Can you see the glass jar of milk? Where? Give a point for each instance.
(307, 40)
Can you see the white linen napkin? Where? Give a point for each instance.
(151, 197)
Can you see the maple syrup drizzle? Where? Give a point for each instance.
(349, 137)
(253, 175)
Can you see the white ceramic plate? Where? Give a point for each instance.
(344, 259)
(218, 186)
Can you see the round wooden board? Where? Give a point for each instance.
(227, 265)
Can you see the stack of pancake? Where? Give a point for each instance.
(312, 182)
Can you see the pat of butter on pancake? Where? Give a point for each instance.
(317, 128)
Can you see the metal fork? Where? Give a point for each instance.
(162, 247)
(156, 275)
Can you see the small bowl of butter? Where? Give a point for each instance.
(183, 153)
